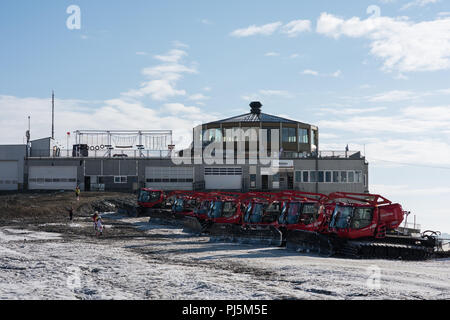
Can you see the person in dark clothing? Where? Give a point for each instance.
(71, 213)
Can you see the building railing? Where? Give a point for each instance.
(161, 154)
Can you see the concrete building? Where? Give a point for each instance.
(301, 165)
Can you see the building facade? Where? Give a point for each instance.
(292, 146)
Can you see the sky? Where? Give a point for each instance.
(371, 74)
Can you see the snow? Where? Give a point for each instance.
(165, 263)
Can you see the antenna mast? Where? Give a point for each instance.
(53, 114)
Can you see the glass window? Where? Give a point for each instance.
(341, 217)
(305, 176)
(343, 176)
(351, 176)
(362, 217)
(310, 213)
(303, 136)
(335, 176)
(358, 178)
(328, 176)
(313, 176)
(276, 177)
(320, 176)
(293, 212)
(313, 137)
(289, 135)
(298, 176)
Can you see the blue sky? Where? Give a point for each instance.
(377, 82)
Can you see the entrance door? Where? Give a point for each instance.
(290, 180)
(265, 182)
(87, 183)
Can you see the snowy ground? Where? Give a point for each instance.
(140, 260)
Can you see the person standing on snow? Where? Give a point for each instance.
(77, 193)
(94, 219)
(99, 225)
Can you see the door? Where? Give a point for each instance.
(265, 182)
(87, 183)
(223, 178)
(9, 175)
(52, 178)
(290, 180)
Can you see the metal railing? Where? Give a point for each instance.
(102, 153)
(141, 153)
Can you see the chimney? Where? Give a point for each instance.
(255, 107)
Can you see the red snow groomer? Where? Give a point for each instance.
(304, 222)
(198, 221)
(185, 202)
(364, 225)
(224, 214)
(150, 200)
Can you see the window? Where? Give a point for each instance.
(303, 136)
(344, 176)
(358, 178)
(362, 217)
(298, 176)
(305, 176)
(313, 176)
(335, 176)
(313, 137)
(328, 176)
(120, 179)
(351, 176)
(320, 175)
(289, 135)
(276, 177)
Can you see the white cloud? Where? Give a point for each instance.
(410, 120)
(418, 3)
(296, 27)
(310, 72)
(336, 74)
(141, 53)
(294, 56)
(206, 21)
(403, 45)
(179, 44)
(113, 114)
(158, 89)
(350, 111)
(393, 96)
(252, 30)
(198, 97)
(267, 93)
(272, 54)
(173, 55)
(163, 78)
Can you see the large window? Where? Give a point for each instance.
(328, 176)
(320, 176)
(305, 176)
(344, 176)
(289, 135)
(335, 176)
(313, 137)
(298, 176)
(313, 176)
(303, 136)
